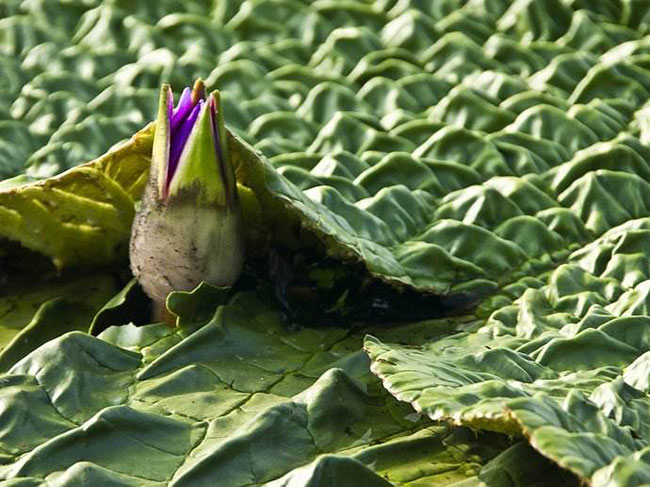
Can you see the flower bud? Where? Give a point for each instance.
(189, 227)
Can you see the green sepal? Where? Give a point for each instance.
(161, 141)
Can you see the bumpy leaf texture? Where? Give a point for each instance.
(235, 400)
(494, 154)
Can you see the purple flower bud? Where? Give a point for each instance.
(189, 226)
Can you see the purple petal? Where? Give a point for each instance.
(170, 104)
(179, 138)
(182, 109)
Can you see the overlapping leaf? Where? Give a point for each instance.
(566, 364)
(81, 218)
(33, 313)
(234, 399)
